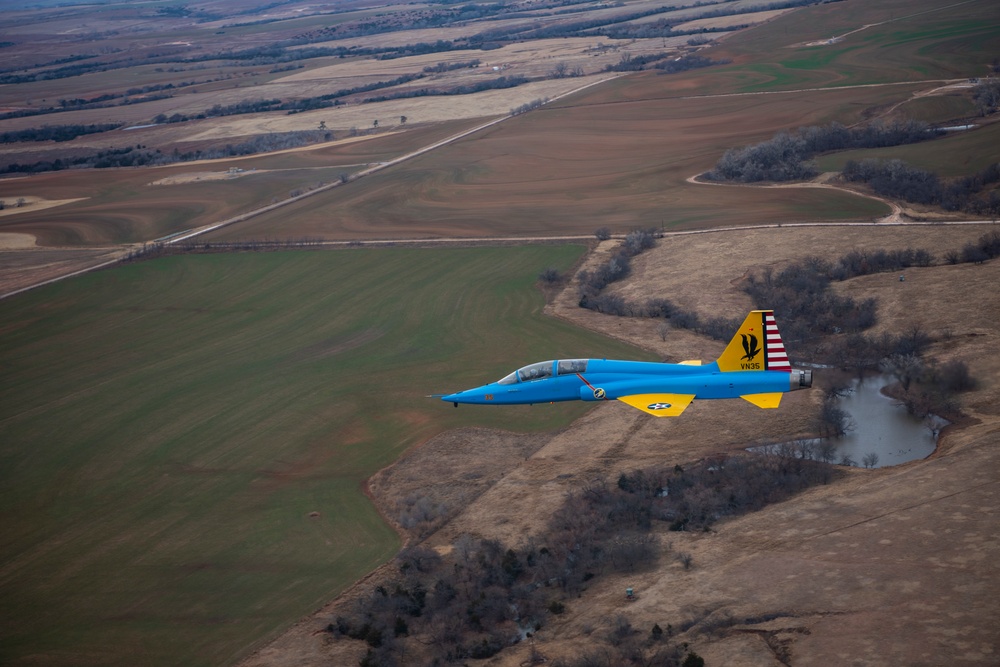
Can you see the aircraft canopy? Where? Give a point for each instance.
(544, 369)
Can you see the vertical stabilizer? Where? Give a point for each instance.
(757, 346)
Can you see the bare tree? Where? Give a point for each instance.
(870, 460)
(904, 367)
(663, 329)
(833, 420)
(826, 451)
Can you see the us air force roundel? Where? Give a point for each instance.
(658, 406)
(599, 394)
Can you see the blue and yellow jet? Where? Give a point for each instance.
(754, 367)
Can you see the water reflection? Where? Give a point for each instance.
(883, 428)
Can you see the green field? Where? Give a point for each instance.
(167, 427)
(958, 153)
(882, 42)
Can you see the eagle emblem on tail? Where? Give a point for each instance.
(750, 346)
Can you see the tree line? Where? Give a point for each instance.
(135, 156)
(986, 94)
(687, 62)
(630, 63)
(786, 156)
(616, 268)
(529, 106)
(487, 84)
(622, 26)
(625, 28)
(332, 99)
(449, 67)
(105, 100)
(486, 595)
(55, 132)
(973, 194)
(801, 292)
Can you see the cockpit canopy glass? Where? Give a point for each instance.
(572, 366)
(509, 379)
(543, 369)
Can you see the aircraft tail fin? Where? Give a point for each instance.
(757, 346)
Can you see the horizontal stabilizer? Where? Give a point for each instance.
(691, 362)
(769, 400)
(659, 405)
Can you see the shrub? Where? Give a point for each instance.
(550, 276)
(955, 377)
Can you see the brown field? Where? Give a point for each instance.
(119, 205)
(737, 20)
(23, 265)
(533, 175)
(887, 566)
(29, 204)
(536, 174)
(418, 110)
(533, 179)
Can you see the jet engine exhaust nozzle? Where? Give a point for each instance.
(801, 379)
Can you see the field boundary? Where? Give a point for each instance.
(496, 241)
(183, 236)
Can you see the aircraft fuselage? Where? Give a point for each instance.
(617, 378)
(754, 367)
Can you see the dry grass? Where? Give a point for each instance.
(734, 21)
(888, 566)
(618, 155)
(16, 241)
(25, 265)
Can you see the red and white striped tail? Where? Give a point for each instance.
(777, 358)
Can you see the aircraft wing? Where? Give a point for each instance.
(659, 405)
(769, 400)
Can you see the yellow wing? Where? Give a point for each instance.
(659, 405)
(769, 400)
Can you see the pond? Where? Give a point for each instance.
(884, 428)
(880, 427)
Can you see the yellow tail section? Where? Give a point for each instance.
(748, 349)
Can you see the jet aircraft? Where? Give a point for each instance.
(754, 367)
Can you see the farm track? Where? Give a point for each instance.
(894, 218)
(507, 240)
